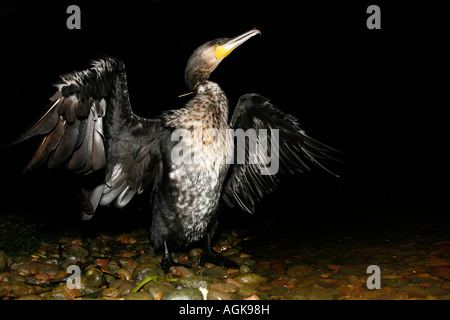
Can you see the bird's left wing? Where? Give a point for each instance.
(285, 149)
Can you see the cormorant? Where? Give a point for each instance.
(90, 127)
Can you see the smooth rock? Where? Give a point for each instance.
(181, 272)
(251, 279)
(300, 271)
(216, 272)
(221, 295)
(145, 270)
(94, 278)
(76, 250)
(244, 268)
(156, 288)
(35, 267)
(193, 253)
(111, 293)
(183, 294)
(276, 291)
(15, 289)
(124, 286)
(306, 282)
(225, 287)
(147, 258)
(139, 296)
(197, 282)
(312, 294)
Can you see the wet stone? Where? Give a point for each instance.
(183, 294)
(139, 296)
(35, 267)
(194, 253)
(251, 279)
(147, 258)
(181, 272)
(124, 286)
(244, 268)
(221, 295)
(77, 251)
(306, 282)
(312, 294)
(15, 289)
(216, 272)
(111, 293)
(197, 282)
(145, 270)
(300, 271)
(276, 291)
(225, 287)
(246, 291)
(155, 288)
(94, 278)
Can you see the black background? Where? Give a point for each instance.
(380, 96)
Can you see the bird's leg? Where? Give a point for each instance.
(167, 261)
(209, 255)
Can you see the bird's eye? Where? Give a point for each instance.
(219, 43)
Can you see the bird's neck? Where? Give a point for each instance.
(208, 106)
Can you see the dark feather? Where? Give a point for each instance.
(245, 183)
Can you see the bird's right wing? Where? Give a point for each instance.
(90, 126)
(291, 150)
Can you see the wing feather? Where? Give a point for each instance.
(86, 104)
(246, 184)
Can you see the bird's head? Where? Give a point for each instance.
(207, 57)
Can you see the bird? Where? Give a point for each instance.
(90, 129)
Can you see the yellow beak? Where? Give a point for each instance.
(225, 49)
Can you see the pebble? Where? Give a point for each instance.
(194, 253)
(312, 294)
(300, 271)
(77, 251)
(139, 296)
(181, 272)
(251, 279)
(183, 294)
(124, 286)
(244, 268)
(221, 295)
(15, 289)
(147, 258)
(111, 293)
(145, 270)
(35, 267)
(157, 288)
(94, 278)
(225, 287)
(197, 282)
(216, 272)
(305, 282)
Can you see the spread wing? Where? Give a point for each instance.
(285, 148)
(90, 126)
